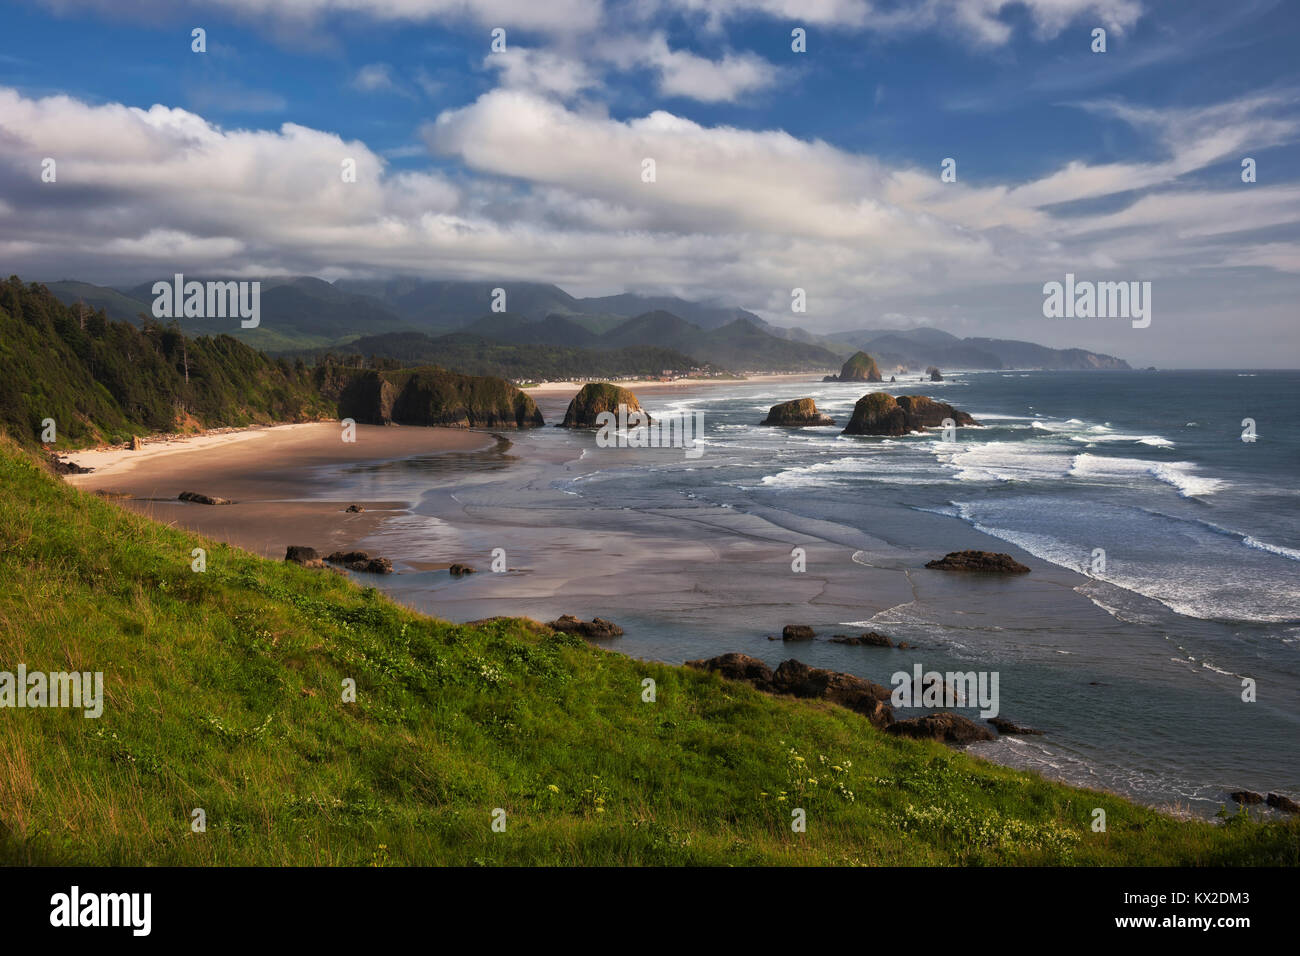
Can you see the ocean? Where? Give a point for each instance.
(1165, 555)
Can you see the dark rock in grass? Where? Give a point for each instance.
(982, 561)
(797, 632)
(736, 667)
(799, 680)
(800, 412)
(371, 566)
(198, 499)
(856, 693)
(347, 557)
(945, 727)
(869, 639)
(1280, 801)
(1247, 796)
(595, 628)
(458, 569)
(300, 554)
(1005, 726)
(354, 509)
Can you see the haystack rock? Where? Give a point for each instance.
(933, 372)
(596, 398)
(801, 411)
(879, 413)
(861, 367)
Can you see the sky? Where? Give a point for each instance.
(775, 169)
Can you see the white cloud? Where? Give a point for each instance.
(374, 78)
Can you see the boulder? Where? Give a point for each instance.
(869, 639)
(801, 411)
(354, 509)
(860, 367)
(300, 554)
(1280, 801)
(1005, 726)
(933, 372)
(595, 628)
(1247, 796)
(347, 557)
(987, 562)
(946, 727)
(797, 632)
(596, 398)
(458, 569)
(199, 499)
(736, 667)
(136, 442)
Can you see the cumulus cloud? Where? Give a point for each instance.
(538, 190)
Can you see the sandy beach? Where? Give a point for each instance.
(266, 472)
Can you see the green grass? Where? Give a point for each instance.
(224, 693)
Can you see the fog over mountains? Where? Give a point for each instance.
(400, 318)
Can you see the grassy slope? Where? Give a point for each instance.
(224, 693)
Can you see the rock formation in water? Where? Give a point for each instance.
(933, 372)
(801, 411)
(860, 367)
(879, 413)
(596, 398)
(988, 562)
(946, 727)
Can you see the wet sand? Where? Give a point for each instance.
(272, 476)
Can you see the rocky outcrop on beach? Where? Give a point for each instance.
(797, 632)
(458, 570)
(429, 396)
(801, 411)
(1005, 726)
(1249, 797)
(988, 562)
(879, 413)
(869, 639)
(933, 372)
(596, 628)
(596, 398)
(61, 466)
(301, 554)
(946, 727)
(198, 499)
(860, 367)
(354, 509)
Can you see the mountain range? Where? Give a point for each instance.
(304, 314)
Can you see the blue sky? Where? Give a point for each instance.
(776, 169)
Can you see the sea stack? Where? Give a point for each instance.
(861, 367)
(801, 411)
(596, 398)
(933, 372)
(879, 413)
